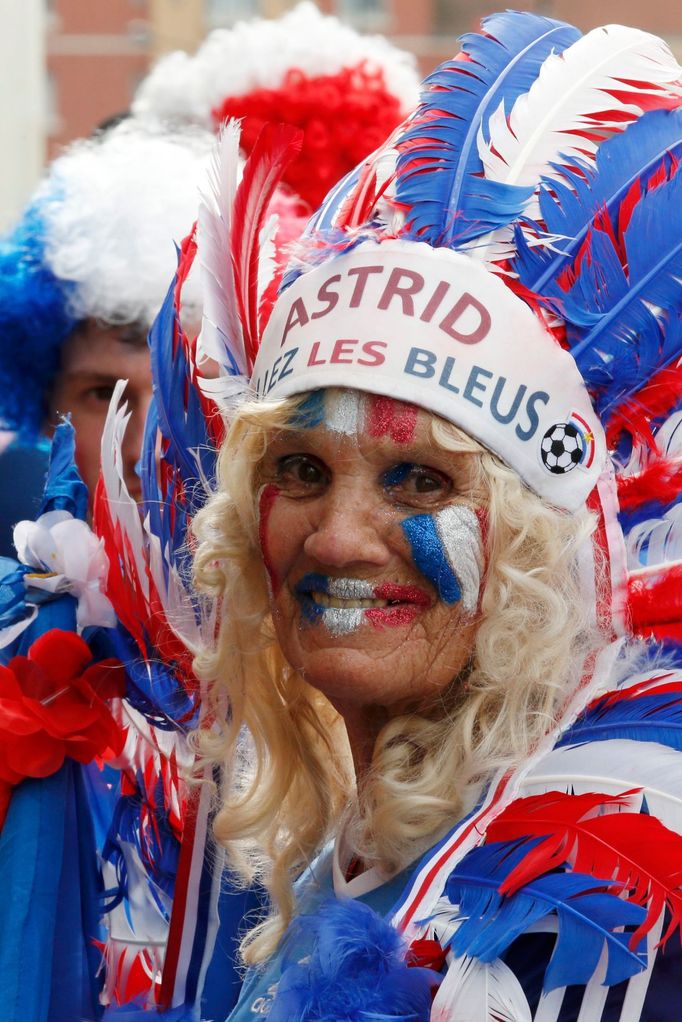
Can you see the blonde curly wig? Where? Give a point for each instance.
(287, 765)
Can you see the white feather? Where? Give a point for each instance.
(221, 328)
(613, 767)
(122, 508)
(474, 991)
(267, 254)
(549, 121)
(657, 541)
(669, 436)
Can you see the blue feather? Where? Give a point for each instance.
(650, 511)
(64, 489)
(579, 191)
(356, 970)
(623, 305)
(439, 172)
(653, 250)
(152, 686)
(646, 718)
(588, 915)
(180, 415)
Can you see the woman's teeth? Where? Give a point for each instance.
(325, 600)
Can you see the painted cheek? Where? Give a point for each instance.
(447, 549)
(266, 502)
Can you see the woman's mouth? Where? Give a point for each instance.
(342, 605)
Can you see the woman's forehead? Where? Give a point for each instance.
(354, 413)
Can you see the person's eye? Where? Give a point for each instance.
(413, 483)
(101, 394)
(301, 474)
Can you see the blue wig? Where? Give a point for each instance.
(34, 323)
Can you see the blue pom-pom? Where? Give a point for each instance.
(34, 323)
(355, 970)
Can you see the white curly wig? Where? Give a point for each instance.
(115, 206)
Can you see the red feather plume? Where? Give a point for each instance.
(654, 400)
(597, 835)
(660, 481)
(654, 602)
(275, 148)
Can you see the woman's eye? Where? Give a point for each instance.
(301, 474)
(407, 481)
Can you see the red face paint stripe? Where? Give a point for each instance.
(388, 417)
(268, 496)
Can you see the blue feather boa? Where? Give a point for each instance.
(356, 971)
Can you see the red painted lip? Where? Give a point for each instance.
(393, 617)
(402, 594)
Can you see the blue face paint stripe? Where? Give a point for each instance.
(398, 474)
(310, 413)
(430, 556)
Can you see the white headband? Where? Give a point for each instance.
(433, 327)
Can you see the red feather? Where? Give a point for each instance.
(597, 835)
(654, 400)
(277, 145)
(660, 481)
(143, 616)
(655, 598)
(211, 412)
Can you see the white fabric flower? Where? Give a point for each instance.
(68, 558)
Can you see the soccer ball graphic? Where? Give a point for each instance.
(562, 448)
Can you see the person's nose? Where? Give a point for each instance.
(349, 528)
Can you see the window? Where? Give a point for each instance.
(226, 12)
(367, 14)
(53, 121)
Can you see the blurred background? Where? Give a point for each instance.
(68, 65)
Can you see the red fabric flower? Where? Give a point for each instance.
(52, 706)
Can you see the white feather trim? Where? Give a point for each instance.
(115, 207)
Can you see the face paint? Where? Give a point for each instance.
(397, 475)
(266, 500)
(390, 417)
(310, 413)
(448, 550)
(343, 411)
(343, 604)
(350, 412)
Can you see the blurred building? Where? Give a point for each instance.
(22, 111)
(97, 52)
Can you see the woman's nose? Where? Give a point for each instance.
(349, 528)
